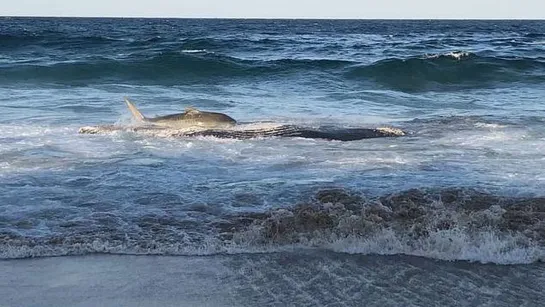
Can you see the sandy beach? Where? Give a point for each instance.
(280, 279)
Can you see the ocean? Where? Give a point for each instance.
(451, 214)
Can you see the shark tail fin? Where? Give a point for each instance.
(135, 113)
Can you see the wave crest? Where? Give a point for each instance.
(163, 68)
(450, 71)
(455, 70)
(458, 55)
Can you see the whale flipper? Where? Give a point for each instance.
(135, 113)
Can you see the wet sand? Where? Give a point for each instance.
(302, 278)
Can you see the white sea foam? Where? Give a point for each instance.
(209, 246)
(490, 126)
(458, 55)
(195, 51)
(452, 244)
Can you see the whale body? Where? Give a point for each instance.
(243, 132)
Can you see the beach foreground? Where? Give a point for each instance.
(279, 279)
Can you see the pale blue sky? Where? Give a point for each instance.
(534, 9)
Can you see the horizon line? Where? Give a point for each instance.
(279, 18)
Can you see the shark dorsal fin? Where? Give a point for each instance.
(191, 110)
(135, 112)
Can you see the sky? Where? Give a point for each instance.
(364, 9)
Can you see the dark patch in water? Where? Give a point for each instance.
(413, 213)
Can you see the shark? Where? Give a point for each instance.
(191, 118)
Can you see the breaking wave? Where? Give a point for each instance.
(451, 224)
(446, 224)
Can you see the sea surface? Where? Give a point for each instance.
(462, 193)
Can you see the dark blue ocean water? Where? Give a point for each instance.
(465, 184)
